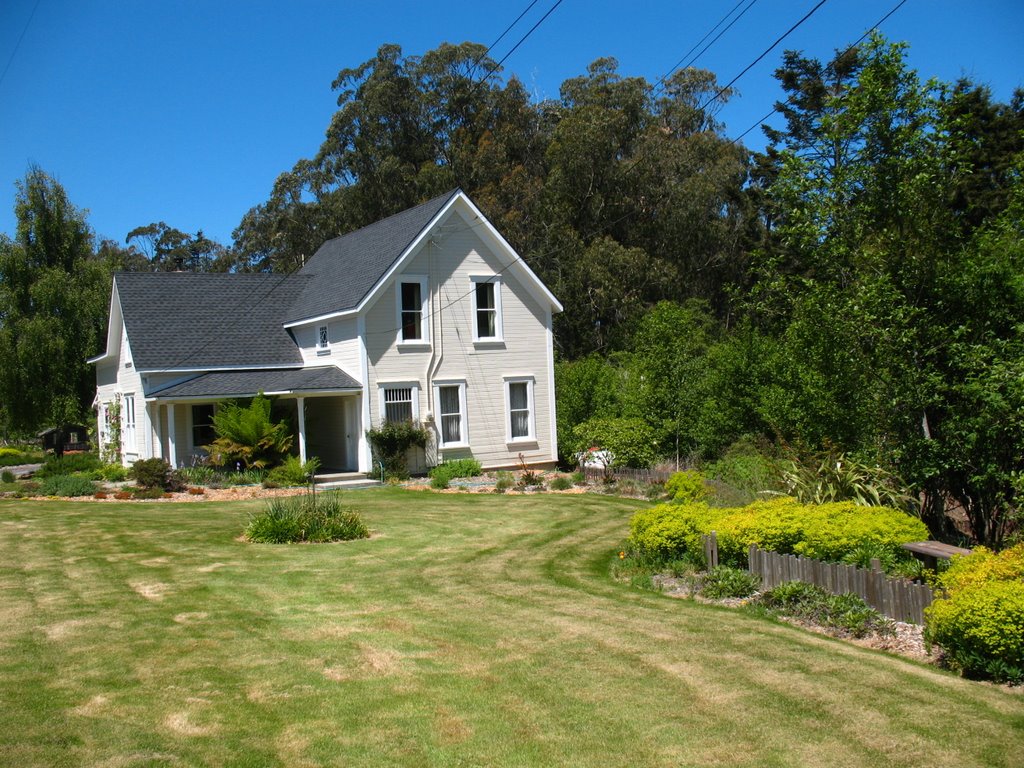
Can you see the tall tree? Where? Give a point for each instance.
(53, 304)
(171, 250)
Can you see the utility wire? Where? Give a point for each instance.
(660, 85)
(501, 37)
(21, 37)
(860, 40)
(495, 68)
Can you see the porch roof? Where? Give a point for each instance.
(223, 384)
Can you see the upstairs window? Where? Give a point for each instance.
(323, 341)
(412, 294)
(487, 308)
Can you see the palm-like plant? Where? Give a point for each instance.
(247, 435)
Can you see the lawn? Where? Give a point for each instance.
(470, 630)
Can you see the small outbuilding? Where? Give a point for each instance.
(65, 438)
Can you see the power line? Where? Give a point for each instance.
(860, 40)
(21, 37)
(495, 68)
(501, 36)
(661, 85)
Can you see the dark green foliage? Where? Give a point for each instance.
(307, 518)
(155, 473)
(148, 493)
(67, 485)
(247, 435)
(292, 472)
(54, 296)
(626, 442)
(847, 614)
(68, 464)
(392, 440)
(724, 582)
(7, 476)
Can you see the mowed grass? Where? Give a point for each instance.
(470, 630)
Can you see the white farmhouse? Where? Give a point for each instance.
(427, 315)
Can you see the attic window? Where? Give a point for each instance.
(323, 343)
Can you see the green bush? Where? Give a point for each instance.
(504, 481)
(846, 614)
(292, 472)
(154, 492)
(723, 582)
(745, 471)
(113, 473)
(561, 483)
(392, 440)
(247, 435)
(10, 457)
(69, 464)
(7, 476)
(307, 518)
(686, 487)
(978, 619)
(67, 485)
(155, 473)
(824, 532)
(834, 476)
(444, 473)
(629, 442)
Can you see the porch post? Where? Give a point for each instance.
(172, 437)
(158, 445)
(301, 407)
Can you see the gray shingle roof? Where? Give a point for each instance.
(345, 269)
(248, 383)
(188, 320)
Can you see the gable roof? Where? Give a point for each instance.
(347, 268)
(250, 383)
(197, 321)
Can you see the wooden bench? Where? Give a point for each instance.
(930, 552)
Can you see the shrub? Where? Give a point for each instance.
(123, 495)
(825, 532)
(724, 582)
(69, 464)
(392, 440)
(246, 435)
(155, 473)
(504, 481)
(834, 476)
(979, 620)
(7, 476)
(686, 487)
(306, 518)
(10, 457)
(292, 472)
(444, 473)
(148, 493)
(200, 475)
(100, 495)
(846, 614)
(745, 471)
(561, 483)
(627, 442)
(113, 473)
(67, 485)
(194, 491)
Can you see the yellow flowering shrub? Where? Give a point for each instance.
(978, 620)
(821, 531)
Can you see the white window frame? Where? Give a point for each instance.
(530, 382)
(499, 335)
(463, 442)
(323, 339)
(414, 388)
(128, 424)
(424, 339)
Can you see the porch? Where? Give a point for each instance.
(321, 406)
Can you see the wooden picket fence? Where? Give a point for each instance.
(899, 599)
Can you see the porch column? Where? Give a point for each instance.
(301, 407)
(172, 437)
(158, 443)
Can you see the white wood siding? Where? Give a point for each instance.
(344, 350)
(451, 259)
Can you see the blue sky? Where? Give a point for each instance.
(186, 111)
